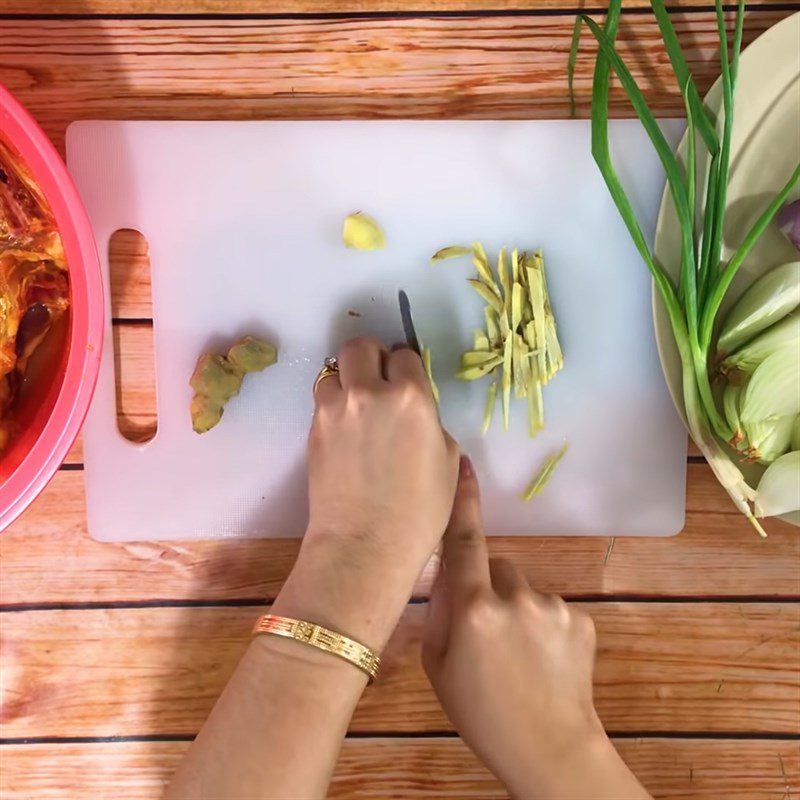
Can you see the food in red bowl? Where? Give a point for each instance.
(51, 310)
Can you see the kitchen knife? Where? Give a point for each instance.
(408, 322)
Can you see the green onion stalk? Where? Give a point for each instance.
(704, 277)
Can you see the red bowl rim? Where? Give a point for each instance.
(87, 310)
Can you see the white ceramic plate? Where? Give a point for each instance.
(765, 148)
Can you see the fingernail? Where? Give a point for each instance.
(465, 467)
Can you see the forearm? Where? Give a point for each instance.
(277, 729)
(589, 769)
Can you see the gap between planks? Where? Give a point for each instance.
(703, 668)
(400, 768)
(716, 555)
(331, 9)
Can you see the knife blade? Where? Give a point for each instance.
(408, 322)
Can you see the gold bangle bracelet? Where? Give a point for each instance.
(315, 635)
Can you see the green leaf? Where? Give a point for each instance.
(664, 151)
(573, 58)
(686, 275)
(602, 156)
(705, 124)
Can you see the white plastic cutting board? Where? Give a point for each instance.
(244, 222)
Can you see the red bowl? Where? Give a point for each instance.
(51, 413)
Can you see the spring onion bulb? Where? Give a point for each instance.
(783, 334)
(769, 439)
(774, 388)
(779, 487)
(794, 442)
(768, 300)
(731, 397)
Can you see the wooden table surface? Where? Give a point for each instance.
(112, 655)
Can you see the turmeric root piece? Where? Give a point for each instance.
(217, 378)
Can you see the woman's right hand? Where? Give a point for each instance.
(382, 475)
(512, 669)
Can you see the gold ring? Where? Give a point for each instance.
(330, 368)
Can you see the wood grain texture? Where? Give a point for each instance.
(129, 272)
(672, 769)
(693, 666)
(75, 454)
(711, 667)
(294, 7)
(463, 66)
(47, 557)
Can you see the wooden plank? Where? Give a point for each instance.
(75, 454)
(129, 269)
(699, 667)
(672, 769)
(717, 554)
(459, 66)
(135, 382)
(292, 7)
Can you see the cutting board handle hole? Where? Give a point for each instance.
(132, 310)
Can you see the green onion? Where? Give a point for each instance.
(693, 304)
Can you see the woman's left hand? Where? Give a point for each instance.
(382, 477)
